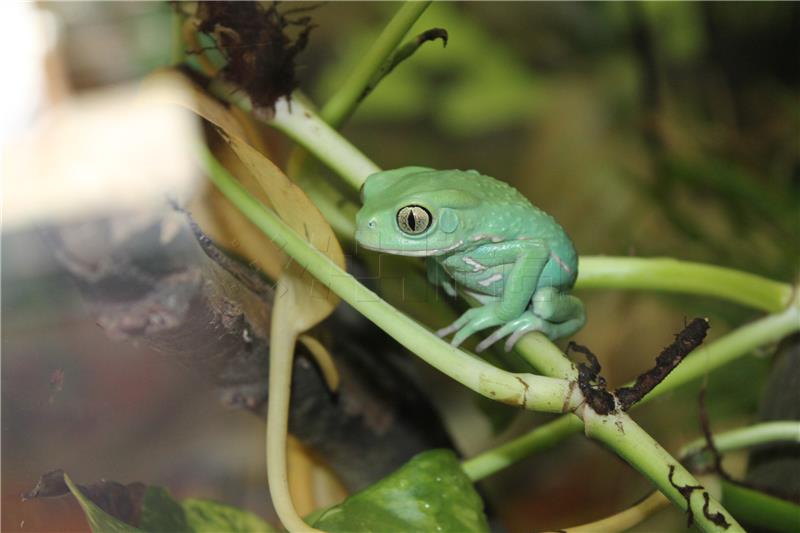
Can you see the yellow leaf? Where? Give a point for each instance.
(311, 301)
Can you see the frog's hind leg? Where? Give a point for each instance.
(556, 306)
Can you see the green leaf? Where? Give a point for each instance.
(205, 516)
(99, 520)
(429, 493)
(162, 513)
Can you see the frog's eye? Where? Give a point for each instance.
(414, 219)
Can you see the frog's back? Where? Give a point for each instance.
(489, 190)
(517, 218)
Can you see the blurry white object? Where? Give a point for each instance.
(100, 154)
(28, 34)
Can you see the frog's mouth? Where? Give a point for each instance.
(412, 253)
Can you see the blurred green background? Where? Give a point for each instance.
(647, 129)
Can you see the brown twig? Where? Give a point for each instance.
(687, 340)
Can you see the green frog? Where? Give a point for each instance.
(482, 236)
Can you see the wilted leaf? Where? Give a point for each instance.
(429, 493)
(267, 182)
(99, 520)
(313, 301)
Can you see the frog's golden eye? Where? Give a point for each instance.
(414, 219)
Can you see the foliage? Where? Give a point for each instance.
(160, 512)
(429, 493)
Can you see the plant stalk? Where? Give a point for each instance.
(346, 99)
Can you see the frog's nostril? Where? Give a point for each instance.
(371, 224)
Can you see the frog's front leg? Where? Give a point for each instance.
(528, 259)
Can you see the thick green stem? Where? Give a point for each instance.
(525, 390)
(633, 444)
(706, 359)
(344, 102)
(672, 275)
(297, 121)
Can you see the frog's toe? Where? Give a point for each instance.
(498, 334)
(512, 340)
(444, 332)
(455, 326)
(474, 320)
(527, 323)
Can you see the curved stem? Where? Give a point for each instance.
(343, 103)
(746, 437)
(281, 355)
(672, 275)
(626, 519)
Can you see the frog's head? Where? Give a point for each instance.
(416, 211)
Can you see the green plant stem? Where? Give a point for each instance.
(672, 275)
(301, 124)
(757, 508)
(746, 437)
(706, 359)
(530, 391)
(632, 443)
(543, 437)
(346, 99)
(545, 356)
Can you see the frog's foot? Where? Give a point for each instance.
(471, 322)
(526, 323)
